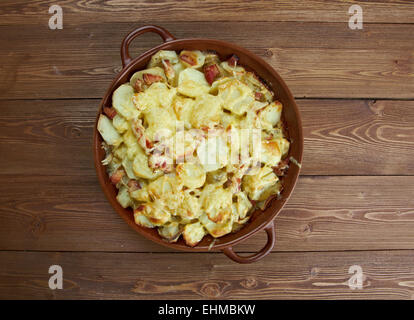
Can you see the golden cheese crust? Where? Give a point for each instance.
(194, 145)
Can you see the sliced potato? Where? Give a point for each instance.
(206, 111)
(167, 189)
(270, 115)
(128, 166)
(141, 220)
(192, 175)
(190, 207)
(120, 124)
(270, 153)
(192, 59)
(184, 145)
(256, 185)
(213, 153)
(140, 195)
(242, 206)
(131, 143)
(178, 67)
(284, 146)
(108, 132)
(171, 232)
(157, 95)
(216, 177)
(217, 229)
(156, 71)
(216, 202)
(123, 197)
(156, 59)
(230, 119)
(120, 152)
(160, 116)
(193, 233)
(183, 108)
(155, 211)
(192, 83)
(236, 96)
(141, 168)
(122, 102)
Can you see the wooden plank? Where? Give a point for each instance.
(257, 36)
(314, 275)
(354, 73)
(211, 10)
(315, 59)
(70, 213)
(358, 137)
(47, 137)
(342, 137)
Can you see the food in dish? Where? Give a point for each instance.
(194, 145)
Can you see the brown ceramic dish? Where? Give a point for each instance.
(260, 220)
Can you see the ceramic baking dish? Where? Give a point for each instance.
(261, 220)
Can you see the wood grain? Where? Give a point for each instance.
(315, 59)
(70, 213)
(358, 137)
(314, 275)
(259, 36)
(211, 10)
(342, 137)
(353, 205)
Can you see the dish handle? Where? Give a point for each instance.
(270, 231)
(125, 57)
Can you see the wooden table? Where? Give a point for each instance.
(354, 202)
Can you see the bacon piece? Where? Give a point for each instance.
(211, 72)
(110, 112)
(188, 57)
(281, 168)
(139, 131)
(117, 176)
(227, 184)
(151, 78)
(133, 185)
(148, 144)
(168, 69)
(139, 209)
(139, 85)
(233, 60)
(259, 96)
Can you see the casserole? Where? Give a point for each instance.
(259, 220)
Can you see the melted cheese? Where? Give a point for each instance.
(206, 111)
(258, 184)
(236, 96)
(192, 83)
(192, 175)
(193, 233)
(188, 148)
(216, 202)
